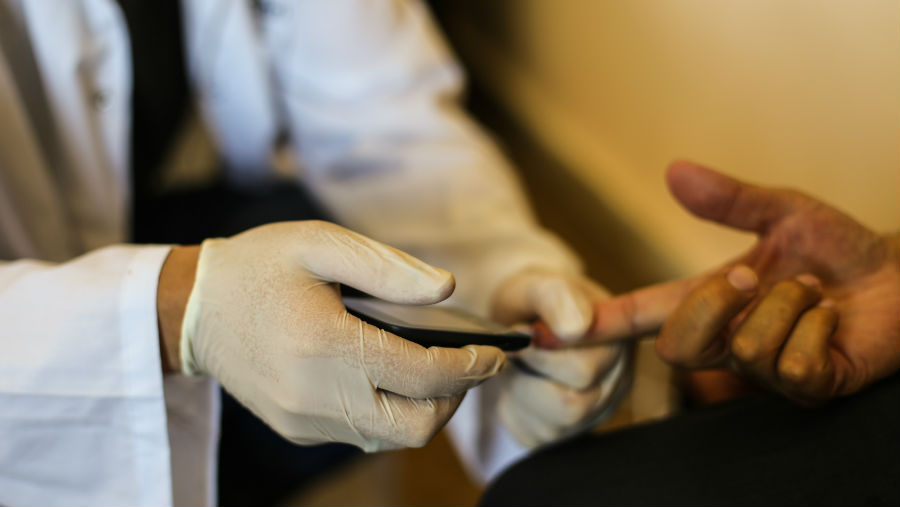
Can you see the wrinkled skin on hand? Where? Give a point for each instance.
(858, 271)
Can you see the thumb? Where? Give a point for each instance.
(339, 255)
(712, 195)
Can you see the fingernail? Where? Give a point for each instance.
(543, 337)
(809, 280)
(742, 278)
(826, 303)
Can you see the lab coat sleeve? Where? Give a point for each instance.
(374, 117)
(82, 409)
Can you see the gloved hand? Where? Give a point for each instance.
(265, 318)
(554, 393)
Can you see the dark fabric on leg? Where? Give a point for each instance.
(758, 451)
(256, 465)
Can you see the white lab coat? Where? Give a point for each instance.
(366, 92)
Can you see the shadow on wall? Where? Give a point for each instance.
(610, 249)
(613, 253)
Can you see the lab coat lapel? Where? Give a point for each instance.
(31, 218)
(83, 54)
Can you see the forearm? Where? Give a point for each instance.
(176, 279)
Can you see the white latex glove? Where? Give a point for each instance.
(564, 391)
(265, 318)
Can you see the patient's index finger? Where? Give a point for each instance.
(641, 312)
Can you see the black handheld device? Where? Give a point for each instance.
(435, 326)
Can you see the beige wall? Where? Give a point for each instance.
(785, 92)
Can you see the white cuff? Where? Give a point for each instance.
(139, 331)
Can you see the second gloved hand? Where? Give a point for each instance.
(554, 393)
(265, 318)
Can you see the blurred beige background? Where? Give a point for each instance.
(800, 93)
(592, 98)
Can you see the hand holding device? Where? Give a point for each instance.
(435, 326)
(265, 318)
(560, 391)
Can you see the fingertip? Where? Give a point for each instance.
(702, 191)
(793, 367)
(743, 278)
(485, 361)
(745, 349)
(680, 164)
(567, 310)
(810, 280)
(446, 284)
(438, 285)
(681, 169)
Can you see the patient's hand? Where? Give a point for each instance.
(821, 320)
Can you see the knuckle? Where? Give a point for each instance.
(629, 309)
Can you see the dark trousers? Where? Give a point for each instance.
(256, 466)
(757, 451)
